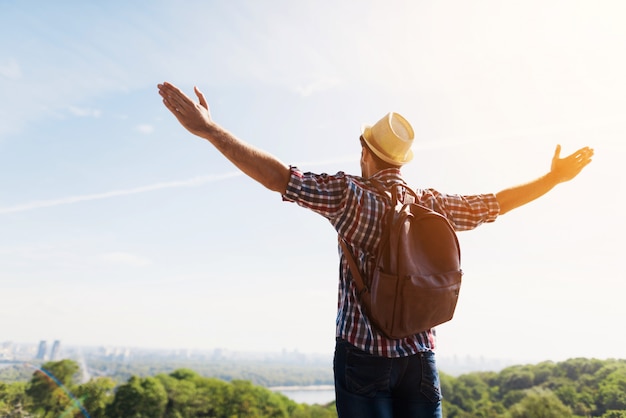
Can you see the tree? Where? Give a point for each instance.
(614, 414)
(184, 399)
(576, 367)
(96, 395)
(576, 395)
(516, 378)
(540, 403)
(220, 396)
(139, 398)
(543, 372)
(467, 391)
(50, 389)
(256, 402)
(612, 391)
(12, 400)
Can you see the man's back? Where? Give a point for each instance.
(355, 208)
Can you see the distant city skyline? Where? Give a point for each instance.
(453, 365)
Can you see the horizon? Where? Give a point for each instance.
(282, 351)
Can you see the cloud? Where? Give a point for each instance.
(10, 69)
(125, 259)
(84, 112)
(144, 129)
(317, 86)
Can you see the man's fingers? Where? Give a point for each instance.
(178, 102)
(201, 97)
(172, 103)
(173, 95)
(583, 155)
(172, 108)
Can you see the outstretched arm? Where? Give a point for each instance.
(196, 118)
(562, 169)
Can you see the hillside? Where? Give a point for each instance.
(574, 388)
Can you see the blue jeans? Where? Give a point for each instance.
(368, 386)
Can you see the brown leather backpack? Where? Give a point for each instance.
(417, 276)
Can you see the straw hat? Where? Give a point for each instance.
(390, 139)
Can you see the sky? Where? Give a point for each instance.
(119, 228)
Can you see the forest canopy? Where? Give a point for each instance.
(573, 388)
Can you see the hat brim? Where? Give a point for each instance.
(366, 134)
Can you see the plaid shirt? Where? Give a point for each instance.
(355, 209)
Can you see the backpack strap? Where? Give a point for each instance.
(393, 195)
(354, 268)
(393, 198)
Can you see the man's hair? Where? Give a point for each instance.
(380, 163)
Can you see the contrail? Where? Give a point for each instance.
(192, 182)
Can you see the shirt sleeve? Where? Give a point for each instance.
(464, 212)
(322, 193)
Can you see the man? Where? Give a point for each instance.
(374, 376)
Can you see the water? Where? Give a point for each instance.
(311, 395)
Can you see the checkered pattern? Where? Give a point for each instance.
(355, 210)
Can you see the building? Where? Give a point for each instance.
(55, 353)
(43, 348)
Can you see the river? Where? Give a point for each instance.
(319, 394)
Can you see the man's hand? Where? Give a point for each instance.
(565, 169)
(195, 117)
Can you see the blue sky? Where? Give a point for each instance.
(120, 228)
